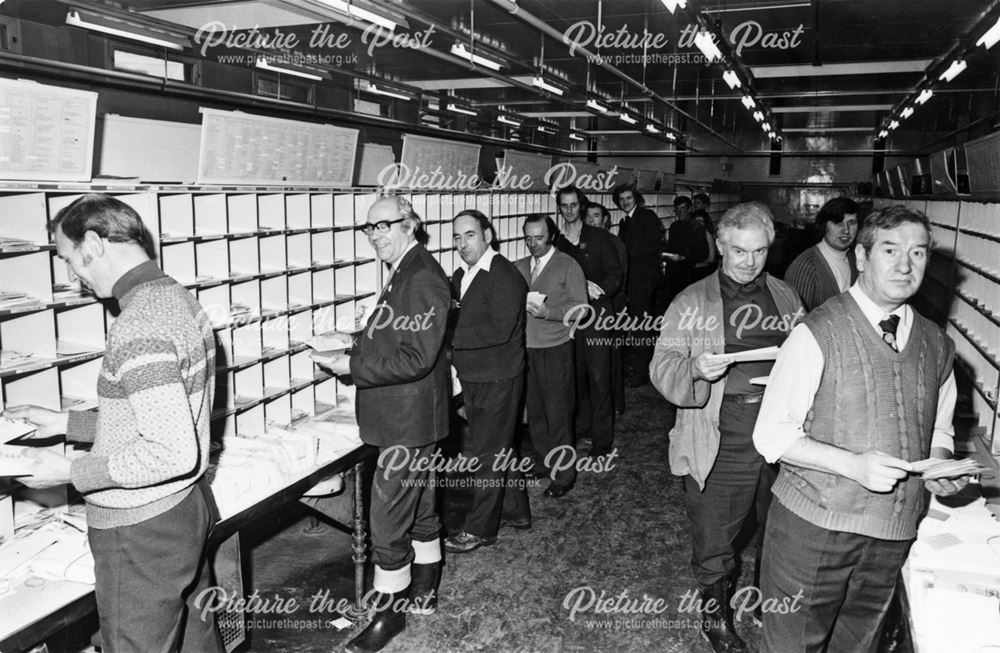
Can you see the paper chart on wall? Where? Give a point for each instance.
(46, 132)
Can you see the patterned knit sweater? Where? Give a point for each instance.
(155, 393)
(869, 398)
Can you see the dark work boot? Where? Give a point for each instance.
(717, 618)
(424, 587)
(388, 621)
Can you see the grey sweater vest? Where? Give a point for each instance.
(869, 398)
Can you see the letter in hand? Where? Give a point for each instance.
(48, 422)
(945, 487)
(879, 472)
(710, 367)
(594, 290)
(339, 364)
(50, 469)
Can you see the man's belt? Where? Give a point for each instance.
(754, 398)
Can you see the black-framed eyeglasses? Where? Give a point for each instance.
(382, 226)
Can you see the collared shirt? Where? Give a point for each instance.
(839, 263)
(392, 266)
(749, 315)
(484, 263)
(797, 374)
(538, 264)
(146, 271)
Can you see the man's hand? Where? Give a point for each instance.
(50, 469)
(594, 291)
(945, 487)
(541, 311)
(339, 364)
(708, 367)
(879, 472)
(48, 422)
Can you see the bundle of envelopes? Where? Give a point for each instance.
(935, 468)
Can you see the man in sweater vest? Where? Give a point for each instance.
(488, 355)
(149, 508)
(556, 285)
(828, 268)
(726, 482)
(862, 388)
(399, 365)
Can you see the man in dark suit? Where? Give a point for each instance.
(488, 354)
(642, 233)
(399, 366)
(593, 250)
(599, 216)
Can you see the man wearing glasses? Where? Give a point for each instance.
(399, 367)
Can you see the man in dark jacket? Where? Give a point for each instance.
(399, 367)
(488, 354)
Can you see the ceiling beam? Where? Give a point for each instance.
(833, 108)
(860, 68)
(463, 83)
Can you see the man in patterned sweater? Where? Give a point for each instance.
(149, 507)
(862, 388)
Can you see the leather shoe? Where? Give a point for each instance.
(597, 452)
(518, 524)
(536, 472)
(555, 490)
(463, 542)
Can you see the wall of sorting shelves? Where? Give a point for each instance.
(961, 291)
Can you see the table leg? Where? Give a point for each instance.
(358, 611)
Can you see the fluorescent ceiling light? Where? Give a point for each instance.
(732, 79)
(360, 13)
(264, 65)
(459, 109)
(670, 136)
(925, 95)
(540, 82)
(508, 121)
(371, 88)
(771, 135)
(573, 136)
(545, 129)
(766, 126)
(748, 101)
(459, 50)
(627, 118)
(672, 5)
(893, 125)
(906, 113)
(758, 115)
(990, 38)
(115, 27)
(707, 45)
(883, 134)
(954, 70)
(652, 129)
(594, 104)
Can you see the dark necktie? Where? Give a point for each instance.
(888, 327)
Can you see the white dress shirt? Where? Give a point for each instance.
(839, 263)
(796, 376)
(484, 263)
(539, 263)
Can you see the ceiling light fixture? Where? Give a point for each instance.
(893, 124)
(594, 104)
(766, 126)
(370, 87)
(748, 102)
(545, 129)
(732, 79)
(627, 118)
(991, 37)
(672, 5)
(116, 27)
(925, 95)
(954, 70)
(455, 108)
(573, 136)
(906, 113)
(264, 65)
(458, 49)
(883, 134)
(652, 129)
(670, 136)
(758, 115)
(508, 121)
(540, 82)
(707, 45)
(360, 13)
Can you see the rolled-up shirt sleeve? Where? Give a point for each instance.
(944, 430)
(790, 391)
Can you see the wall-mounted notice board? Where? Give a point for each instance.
(520, 164)
(241, 148)
(373, 159)
(458, 162)
(46, 132)
(152, 150)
